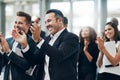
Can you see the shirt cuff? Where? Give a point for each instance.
(26, 49)
(9, 53)
(40, 43)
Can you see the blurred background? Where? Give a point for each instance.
(80, 13)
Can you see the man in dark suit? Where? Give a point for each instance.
(16, 66)
(60, 48)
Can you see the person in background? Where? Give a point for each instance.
(109, 60)
(38, 71)
(88, 54)
(16, 66)
(36, 19)
(60, 48)
(115, 20)
(65, 22)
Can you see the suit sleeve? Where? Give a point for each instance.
(94, 53)
(19, 61)
(68, 46)
(3, 61)
(32, 55)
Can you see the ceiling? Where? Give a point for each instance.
(38, 0)
(112, 10)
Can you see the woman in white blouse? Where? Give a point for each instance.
(109, 57)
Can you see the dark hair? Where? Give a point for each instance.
(117, 33)
(65, 21)
(38, 18)
(57, 12)
(92, 35)
(27, 16)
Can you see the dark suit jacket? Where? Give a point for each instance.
(63, 56)
(18, 64)
(39, 69)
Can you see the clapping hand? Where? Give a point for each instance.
(4, 44)
(100, 43)
(20, 37)
(86, 43)
(35, 30)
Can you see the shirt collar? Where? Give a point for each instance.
(58, 33)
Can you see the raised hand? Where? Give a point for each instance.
(86, 43)
(20, 37)
(35, 30)
(4, 44)
(100, 43)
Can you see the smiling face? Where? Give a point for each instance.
(20, 24)
(53, 24)
(109, 32)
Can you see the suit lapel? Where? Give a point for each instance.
(48, 39)
(59, 39)
(10, 42)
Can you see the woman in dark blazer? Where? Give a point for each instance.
(88, 54)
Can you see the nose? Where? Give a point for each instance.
(46, 24)
(16, 24)
(107, 32)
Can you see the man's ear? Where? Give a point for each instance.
(28, 25)
(60, 19)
